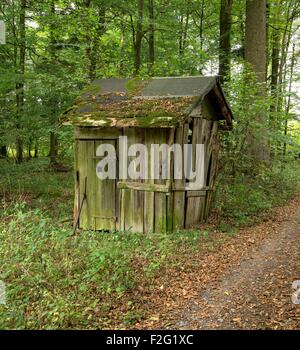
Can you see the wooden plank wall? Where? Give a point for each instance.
(213, 153)
(138, 210)
(132, 207)
(102, 205)
(197, 208)
(181, 137)
(103, 195)
(144, 211)
(84, 154)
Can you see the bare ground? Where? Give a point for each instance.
(244, 284)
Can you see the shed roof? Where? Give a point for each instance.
(156, 102)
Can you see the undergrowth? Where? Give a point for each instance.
(56, 280)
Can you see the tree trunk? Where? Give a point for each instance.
(88, 50)
(285, 44)
(225, 43)
(20, 83)
(256, 37)
(138, 37)
(93, 41)
(288, 104)
(183, 32)
(256, 56)
(151, 35)
(275, 61)
(53, 147)
(3, 152)
(29, 149)
(52, 50)
(201, 26)
(36, 149)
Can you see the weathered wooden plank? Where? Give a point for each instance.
(143, 186)
(149, 183)
(202, 208)
(181, 135)
(103, 193)
(138, 196)
(122, 211)
(207, 130)
(192, 203)
(195, 194)
(196, 206)
(96, 133)
(212, 173)
(132, 198)
(160, 212)
(94, 188)
(160, 201)
(170, 182)
(85, 149)
(77, 185)
(188, 189)
(127, 210)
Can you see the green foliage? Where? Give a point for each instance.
(56, 280)
(242, 197)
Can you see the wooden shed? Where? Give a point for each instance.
(172, 110)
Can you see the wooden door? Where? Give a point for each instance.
(99, 209)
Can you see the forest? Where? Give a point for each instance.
(50, 51)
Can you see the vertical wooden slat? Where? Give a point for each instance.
(118, 192)
(122, 211)
(126, 201)
(84, 147)
(181, 137)
(211, 179)
(127, 209)
(103, 195)
(149, 196)
(192, 205)
(77, 184)
(203, 133)
(160, 201)
(170, 182)
(138, 196)
(134, 219)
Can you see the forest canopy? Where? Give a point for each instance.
(54, 48)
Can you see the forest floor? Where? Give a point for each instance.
(225, 274)
(245, 284)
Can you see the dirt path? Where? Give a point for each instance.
(245, 283)
(256, 293)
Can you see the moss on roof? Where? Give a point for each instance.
(114, 110)
(157, 102)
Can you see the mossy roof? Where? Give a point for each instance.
(156, 102)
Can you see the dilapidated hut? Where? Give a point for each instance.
(179, 110)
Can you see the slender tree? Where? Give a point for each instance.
(20, 82)
(225, 42)
(52, 50)
(138, 35)
(151, 35)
